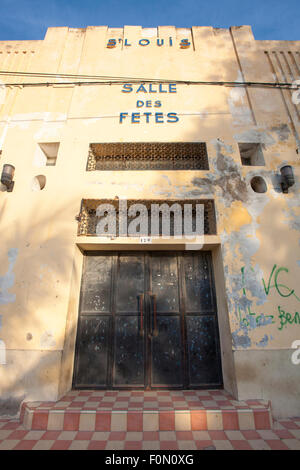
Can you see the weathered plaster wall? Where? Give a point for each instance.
(257, 260)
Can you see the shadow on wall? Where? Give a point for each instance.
(37, 251)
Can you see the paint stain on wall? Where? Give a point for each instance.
(7, 281)
(47, 340)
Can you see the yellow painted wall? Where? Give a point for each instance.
(258, 237)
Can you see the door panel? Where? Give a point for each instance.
(129, 352)
(130, 283)
(129, 360)
(203, 354)
(198, 283)
(164, 283)
(96, 285)
(166, 329)
(166, 357)
(147, 320)
(92, 351)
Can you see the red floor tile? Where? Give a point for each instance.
(103, 422)
(135, 404)
(71, 421)
(283, 434)
(223, 403)
(277, 444)
(133, 445)
(135, 421)
(76, 404)
(97, 445)
(198, 420)
(261, 419)
(184, 436)
(202, 444)
(217, 435)
(168, 445)
(61, 445)
(167, 421)
(17, 434)
(241, 445)
(251, 434)
(289, 424)
(25, 445)
(117, 436)
(150, 436)
(40, 420)
(230, 420)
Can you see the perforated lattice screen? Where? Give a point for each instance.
(148, 156)
(88, 219)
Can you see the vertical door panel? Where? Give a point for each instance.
(129, 324)
(165, 323)
(95, 321)
(129, 352)
(96, 285)
(202, 347)
(167, 353)
(92, 352)
(198, 295)
(204, 367)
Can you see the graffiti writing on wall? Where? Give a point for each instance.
(277, 284)
(282, 317)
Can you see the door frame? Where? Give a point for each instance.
(81, 246)
(148, 344)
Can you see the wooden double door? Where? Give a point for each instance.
(147, 320)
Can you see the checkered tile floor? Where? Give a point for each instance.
(139, 411)
(155, 420)
(154, 400)
(285, 435)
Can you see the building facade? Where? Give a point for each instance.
(104, 117)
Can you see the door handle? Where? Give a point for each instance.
(141, 304)
(154, 332)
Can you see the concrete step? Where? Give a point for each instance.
(147, 411)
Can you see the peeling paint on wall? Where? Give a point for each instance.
(2, 353)
(239, 105)
(47, 340)
(7, 281)
(255, 135)
(283, 132)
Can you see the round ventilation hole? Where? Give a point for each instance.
(38, 183)
(258, 184)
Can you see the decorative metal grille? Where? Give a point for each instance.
(148, 156)
(88, 219)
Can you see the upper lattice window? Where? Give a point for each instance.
(148, 156)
